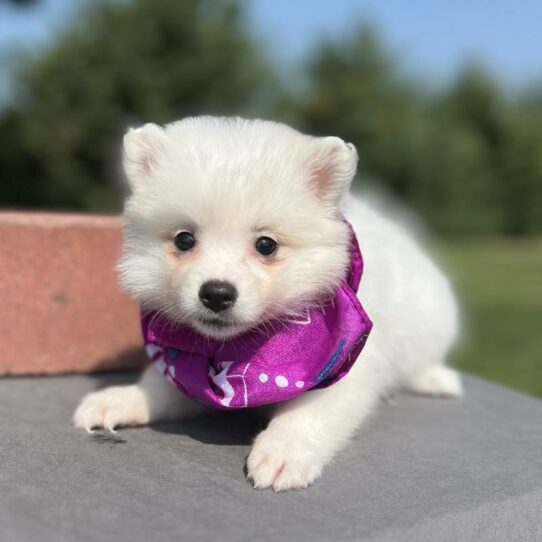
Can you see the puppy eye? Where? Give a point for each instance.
(184, 241)
(266, 246)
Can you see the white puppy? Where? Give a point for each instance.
(227, 182)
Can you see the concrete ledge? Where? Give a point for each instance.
(63, 308)
(420, 470)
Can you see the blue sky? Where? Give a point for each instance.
(432, 37)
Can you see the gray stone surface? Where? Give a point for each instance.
(421, 469)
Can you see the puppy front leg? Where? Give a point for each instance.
(152, 399)
(305, 433)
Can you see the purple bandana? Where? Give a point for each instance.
(256, 368)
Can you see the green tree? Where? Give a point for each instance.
(358, 94)
(466, 157)
(462, 158)
(124, 63)
(522, 170)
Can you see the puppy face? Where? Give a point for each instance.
(233, 223)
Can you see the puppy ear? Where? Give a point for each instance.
(332, 166)
(142, 150)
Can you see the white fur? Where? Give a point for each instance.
(230, 181)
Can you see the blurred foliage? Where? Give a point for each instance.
(123, 64)
(468, 157)
(19, 3)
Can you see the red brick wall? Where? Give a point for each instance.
(62, 309)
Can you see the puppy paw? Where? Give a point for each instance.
(282, 463)
(112, 407)
(438, 381)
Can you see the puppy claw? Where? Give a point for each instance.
(111, 408)
(281, 465)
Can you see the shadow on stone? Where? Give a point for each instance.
(221, 428)
(233, 428)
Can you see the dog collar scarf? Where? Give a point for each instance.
(255, 368)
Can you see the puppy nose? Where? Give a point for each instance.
(217, 295)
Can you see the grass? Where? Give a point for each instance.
(499, 283)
